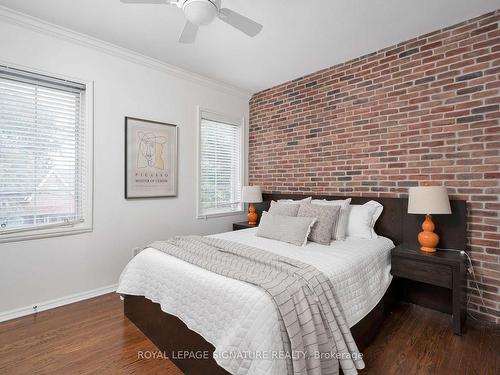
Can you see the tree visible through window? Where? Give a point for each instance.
(42, 152)
(220, 177)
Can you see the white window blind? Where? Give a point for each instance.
(42, 152)
(220, 166)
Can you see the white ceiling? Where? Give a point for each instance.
(299, 37)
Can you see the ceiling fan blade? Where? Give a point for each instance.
(242, 23)
(146, 1)
(189, 33)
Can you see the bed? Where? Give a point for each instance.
(184, 308)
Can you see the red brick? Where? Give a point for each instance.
(423, 110)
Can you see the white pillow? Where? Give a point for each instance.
(294, 230)
(340, 226)
(362, 220)
(305, 200)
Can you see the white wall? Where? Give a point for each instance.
(39, 270)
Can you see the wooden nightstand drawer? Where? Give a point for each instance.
(434, 280)
(435, 274)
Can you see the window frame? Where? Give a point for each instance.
(203, 113)
(86, 226)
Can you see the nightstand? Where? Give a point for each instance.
(440, 280)
(243, 225)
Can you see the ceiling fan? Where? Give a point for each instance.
(203, 12)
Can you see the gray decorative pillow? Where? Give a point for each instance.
(284, 209)
(326, 218)
(294, 230)
(340, 228)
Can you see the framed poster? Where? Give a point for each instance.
(150, 159)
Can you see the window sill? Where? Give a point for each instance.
(219, 214)
(47, 233)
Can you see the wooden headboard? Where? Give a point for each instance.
(395, 223)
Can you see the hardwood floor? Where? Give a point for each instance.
(93, 337)
(89, 337)
(415, 340)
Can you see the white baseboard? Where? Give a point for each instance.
(47, 305)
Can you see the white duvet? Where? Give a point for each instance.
(240, 319)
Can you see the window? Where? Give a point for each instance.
(221, 165)
(45, 166)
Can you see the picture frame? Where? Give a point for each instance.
(151, 159)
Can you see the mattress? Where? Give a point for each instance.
(240, 319)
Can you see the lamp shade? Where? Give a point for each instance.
(428, 200)
(251, 194)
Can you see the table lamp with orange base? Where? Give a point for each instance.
(428, 200)
(251, 194)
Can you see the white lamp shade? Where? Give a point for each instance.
(428, 200)
(251, 194)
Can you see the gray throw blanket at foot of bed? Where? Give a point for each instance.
(315, 335)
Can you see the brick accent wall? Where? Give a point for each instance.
(425, 110)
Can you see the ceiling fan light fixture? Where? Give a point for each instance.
(203, 12)
(200, 12)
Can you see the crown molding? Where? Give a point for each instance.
(29, 22)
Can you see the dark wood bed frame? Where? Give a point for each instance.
(173, 337)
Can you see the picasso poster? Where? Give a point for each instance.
(150, 159)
